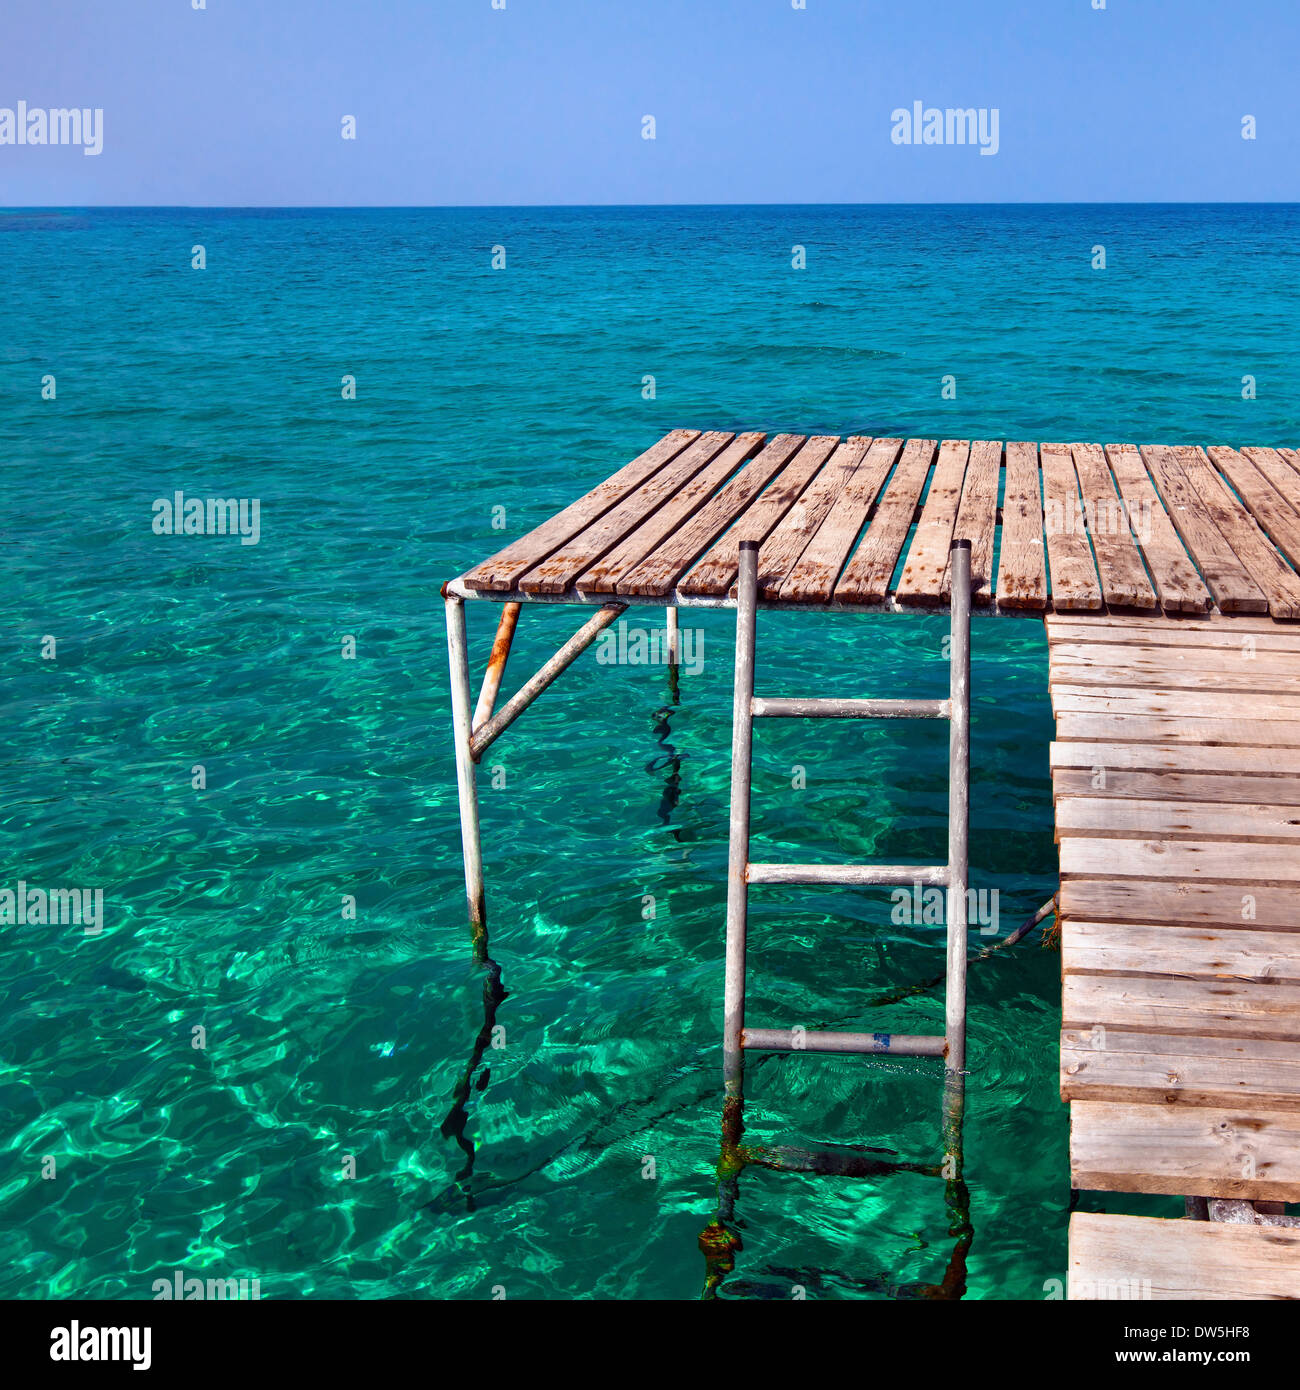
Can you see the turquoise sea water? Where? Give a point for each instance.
(476, 390)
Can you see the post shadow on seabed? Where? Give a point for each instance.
(472, 1080)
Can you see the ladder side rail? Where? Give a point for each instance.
(742, 739)
(958, 851)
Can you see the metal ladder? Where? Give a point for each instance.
(737, 1039)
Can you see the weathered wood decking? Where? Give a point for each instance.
(1176, 779)
(1168, 578)
(1146, 1257)
(1059, 526)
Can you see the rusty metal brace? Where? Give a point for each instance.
(474, 733)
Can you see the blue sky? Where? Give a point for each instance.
(754, 101)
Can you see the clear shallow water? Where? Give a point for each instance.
(518, 389)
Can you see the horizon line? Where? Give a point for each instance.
(606, 207)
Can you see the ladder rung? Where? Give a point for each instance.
(851, 709)
(808, 1040)
(851, 875)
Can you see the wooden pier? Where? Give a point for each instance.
(1168, 580)
(1176, 781)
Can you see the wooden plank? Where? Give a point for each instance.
(1204, 1151)
(1277, 580)
(656, 575)
(557, 572)
(812, 580)
(1022, 559)
(1124, 581)
(1069, 557)
(1284, 478)
(1177, 820)
(1262, 906)
(1292, 457)
(1212, 650)
(501, 571)
(1276, 517)
(922, 580)
(1189, 648)
(1187, 704)
(1152, 1258)
(1232, 586)
(866, 577)
(977, 519)
(1177, 583)
(1161, 728)
(1184, 859)
(1221, 658)
(1181, 623)
(1131, 948)
(1168, 1004)
(1214, 787)
(1155, 757)
(1154, 1068)
(783, 547)
(1233, 675)
(604, 575)
(716, 572)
